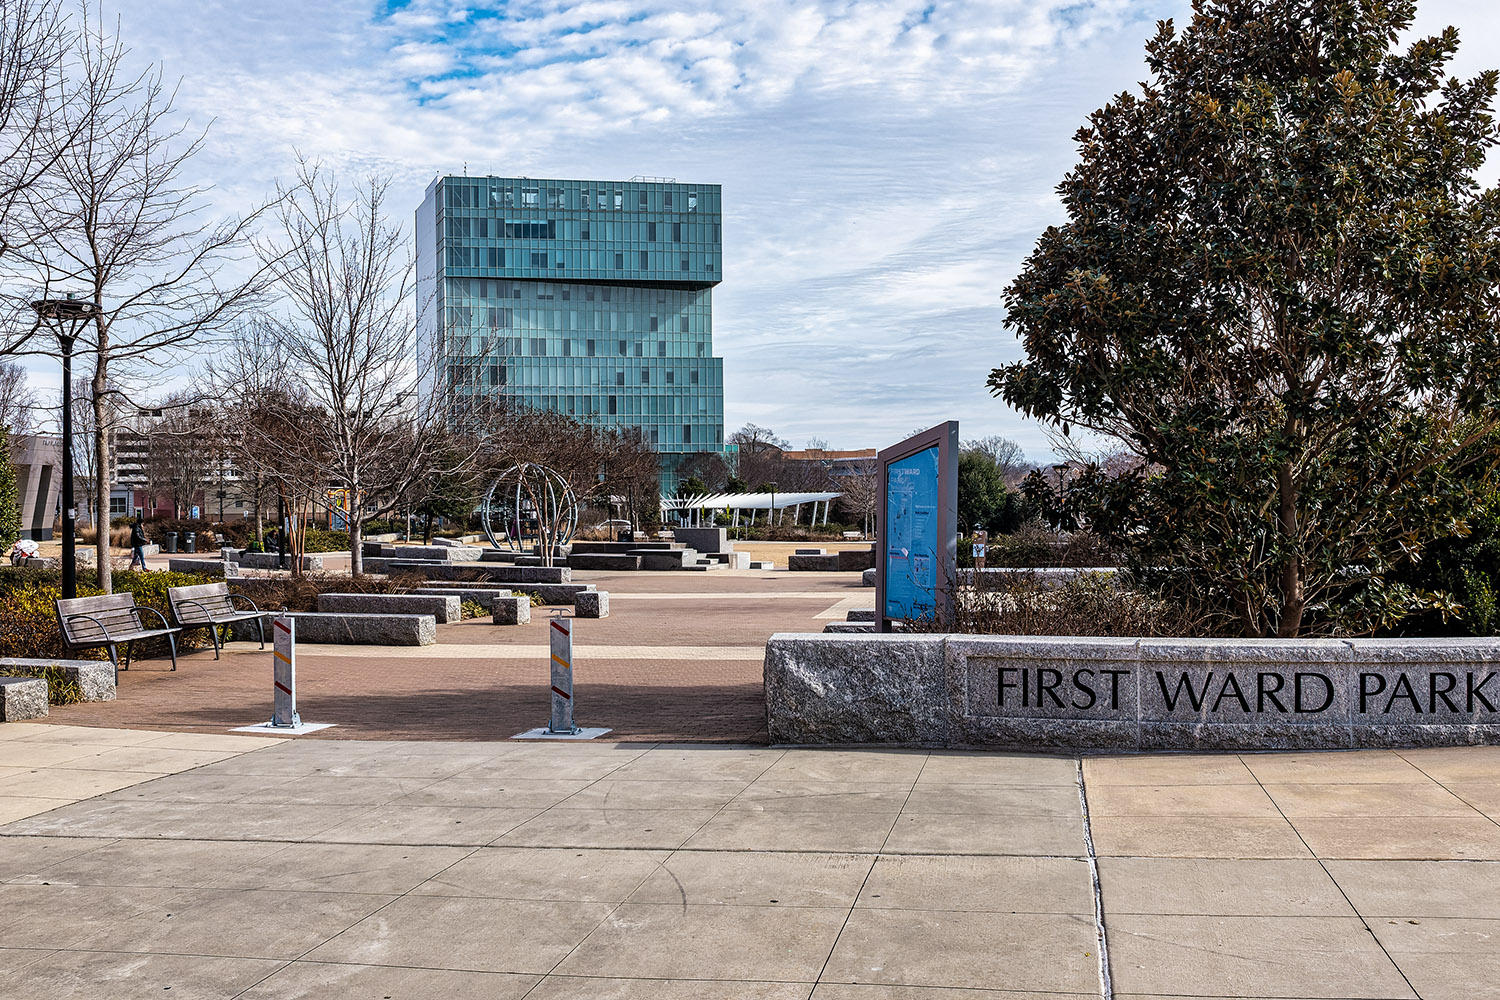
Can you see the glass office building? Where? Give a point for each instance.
(591, 298)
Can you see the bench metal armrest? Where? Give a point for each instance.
(253, 605)
(102, 627)
(208, 616)
(164, 623)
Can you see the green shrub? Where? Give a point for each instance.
(28, 616)
(472, 609)
(323, 540)
(10, 495)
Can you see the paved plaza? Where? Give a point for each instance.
(415, 852)
(405, 870)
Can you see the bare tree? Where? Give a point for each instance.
(861, 489)
(115, 219)
(18, 406)
(34, 38)
(1010, 461)
(180, 451)
(345, 271)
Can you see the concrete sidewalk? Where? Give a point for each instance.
(418, 870)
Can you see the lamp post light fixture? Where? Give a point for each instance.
(65, 317)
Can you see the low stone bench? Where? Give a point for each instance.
(444, 609)
(482, 570)
(511, 611)
(860, 615)
(22, 698)
(851, 560)
(591, 604)
(482, 596)
(667, 559)
(364, 629)
(96, 678)
(810, 552)
(867, 579)
(210, 567)
(618, 561)
(270, 560)
(439, 553)
(835, 627)
(550, 593)
(762, 564)
(801, 563)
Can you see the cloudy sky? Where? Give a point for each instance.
(886, 164)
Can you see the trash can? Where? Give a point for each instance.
(172, 542)
(192, 541)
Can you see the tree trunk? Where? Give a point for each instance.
(427, 530)
(260, 529)
(1292, 601)
(356, 545)
(104, 577)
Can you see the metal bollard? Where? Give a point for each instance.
(562, 677)
(284, 676)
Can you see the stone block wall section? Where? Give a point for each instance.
(1081, 694)
(445, 608)
(22, 698)
(96, 678)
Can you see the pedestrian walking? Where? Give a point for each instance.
(138, 543)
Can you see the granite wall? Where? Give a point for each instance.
(1081, 694)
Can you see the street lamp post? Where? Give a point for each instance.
(771, 514)
(65, 317)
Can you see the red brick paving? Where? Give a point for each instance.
(479, 698)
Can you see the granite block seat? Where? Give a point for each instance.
(591, 604)
(867, 578)
(511, 611)
(851, 560)
(95, 678)
(109, 621)
(203, 565)
(209, 605)
(482, 595)
(801, 563)
(22, 698)
(350, 629)
(618, 561)
(443, 608)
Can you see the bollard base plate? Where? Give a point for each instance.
(302, 729)
(543, 733)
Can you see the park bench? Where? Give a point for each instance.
(209, 605)
(108, 622)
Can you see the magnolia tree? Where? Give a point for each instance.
(1277, 286)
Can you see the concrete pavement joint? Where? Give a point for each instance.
(1106, 987)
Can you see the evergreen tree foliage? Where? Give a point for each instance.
(10, 494)
(1277, 286)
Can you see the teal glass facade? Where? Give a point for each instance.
(591, 298)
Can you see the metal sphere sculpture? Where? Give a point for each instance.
(522, 501)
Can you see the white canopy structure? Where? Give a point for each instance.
(775, 504)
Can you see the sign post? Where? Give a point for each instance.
(561, 723)
(917, 528)
(981, 545)
(284, 675)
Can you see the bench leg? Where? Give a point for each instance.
(260, 628)
(213, 632)
(114, 659)
(172, 645)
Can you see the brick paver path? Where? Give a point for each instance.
(679, 658)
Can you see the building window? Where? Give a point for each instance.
(684, 324)
(538, 347)
(666, 199)
(619, 378)
(693, 377)
(583, 231)
(643, 260)
(684, 263)
(687, 433)
(650, 232)
(619, 204)
(654, 322)
(538, 260)
(619, 262)
(623, 349)
(613, 405)
(692, 201)
(676, 232)
(528, 197)
(645, 376)
(671, 377)
(591, 348)
(661, 348)
(641, 200)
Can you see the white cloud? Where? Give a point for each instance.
(887, 164)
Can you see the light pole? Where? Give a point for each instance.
(771, 519)
(65, 317)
